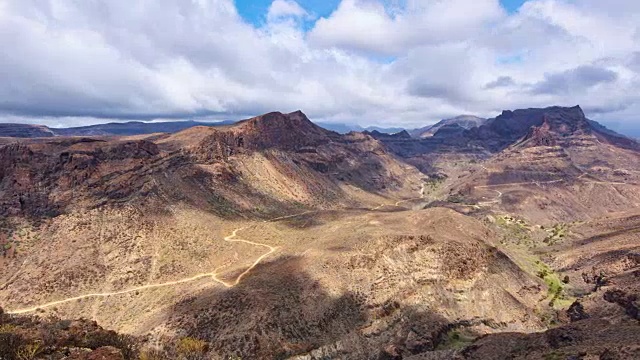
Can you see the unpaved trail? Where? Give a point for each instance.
(495, 201)
(538, 183)
(554, 182)
(231, 238)
(213, 275)
(397, 203)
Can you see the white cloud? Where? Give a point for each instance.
(285, 8)
(405, 62)
(371, 26)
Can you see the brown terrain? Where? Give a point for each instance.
(275, 238)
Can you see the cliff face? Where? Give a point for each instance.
(553, 125)
(40, 179)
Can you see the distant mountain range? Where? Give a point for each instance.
(142, 128)
(119, 129)
(347, 128)
(444, 128)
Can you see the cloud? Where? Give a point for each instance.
(634, 62)
(575, 80)
(379, 28)
(502, 81)
(280, 9)
(384, 62)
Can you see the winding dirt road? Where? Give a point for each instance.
(397, 203)
(213, 275)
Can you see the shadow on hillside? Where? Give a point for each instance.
(627, 231)
(630, 255)
(280, 311)
(276, 311)
(321, 217)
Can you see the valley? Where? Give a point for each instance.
(512, 237)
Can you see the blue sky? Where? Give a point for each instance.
(255, 11)
(512, 5)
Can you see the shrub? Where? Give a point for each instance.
(29, 351)
(9, 344)
(7, 328)
(191, 349)
(124, 343)
(152, 354)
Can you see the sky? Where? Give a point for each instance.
(370, 62)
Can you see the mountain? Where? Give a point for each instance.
(546, 161)
(562, 124)
(380, 135)
(386, 130)
(109, 129)
(347, 128)
(142, 128)
(269, 231)
(267, 164)
(463, 121)
(340, 128)
(133, 128)
(24, 131)
(276, 238)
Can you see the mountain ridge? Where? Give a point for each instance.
(464, 121)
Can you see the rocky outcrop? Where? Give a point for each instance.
(41, 179)
(26, 337)
(629, 302)
(291, 132)
(545, 127)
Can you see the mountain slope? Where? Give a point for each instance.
(560, 123)
(268, 164)
(555, 165)
(24, 130)
(269, 231)
(464, 121)
(276, 238)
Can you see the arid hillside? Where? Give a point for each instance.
(355, 282)
(274, 238)
(270, 165)
(562, 170)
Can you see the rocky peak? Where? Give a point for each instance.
(566, 121)
(566, 126)
(294, 123)
(541, 125)
(274, 130)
